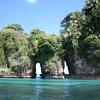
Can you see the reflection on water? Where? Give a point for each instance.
(37, 90)
(29, 89)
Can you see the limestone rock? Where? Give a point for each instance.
(82, 68)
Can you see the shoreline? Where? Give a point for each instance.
(84, 77)
(80, 77)
(15, 76)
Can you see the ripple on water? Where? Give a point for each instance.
(30, 89)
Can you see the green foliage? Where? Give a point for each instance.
(81, 32)
(45, 46)
(16, 27)
(90, 48)
(89, 40)
(13, 47)
(92, 16)
(7, 39)
(51, 64)
(7, 45)
(92, 8)
(36, 31)
(20, 57)
(72, 24)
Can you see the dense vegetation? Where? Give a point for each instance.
(80, 35)
(81, 32)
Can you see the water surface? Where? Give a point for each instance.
(31, 89)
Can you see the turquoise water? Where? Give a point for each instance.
(30, 89)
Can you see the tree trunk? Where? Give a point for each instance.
(6, 57)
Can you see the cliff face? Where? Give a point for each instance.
(59, 65)
(57, 69)
(76, 66)
(82, 68)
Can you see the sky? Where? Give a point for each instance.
(43, 14)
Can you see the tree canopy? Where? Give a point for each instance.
(44, 46)
(81, 32)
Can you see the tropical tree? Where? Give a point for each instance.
(36, 31)
(16, 27)
(19, 59)
(91, 12)
(90, 37)
(72, 30)
(7, 44)
(14, 47)
(44, 47)
(90, 48)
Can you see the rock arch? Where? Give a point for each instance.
(58, 71)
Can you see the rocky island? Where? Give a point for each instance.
(78, 45)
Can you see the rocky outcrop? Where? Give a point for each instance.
(82, 68)
(56, 70)
(76, 66)
(60, 66)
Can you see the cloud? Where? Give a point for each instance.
(32, 1)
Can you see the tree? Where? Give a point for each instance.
(45, 48)
(16, 27)
(72, 30)
(91, 11)
(20, 59)
(7, 45)
(36, 31)
(81, 33)
(1, 52)
(14, 46)
(90, 48)
(89, 40)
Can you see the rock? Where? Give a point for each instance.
(59, 66)
(82, 68)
